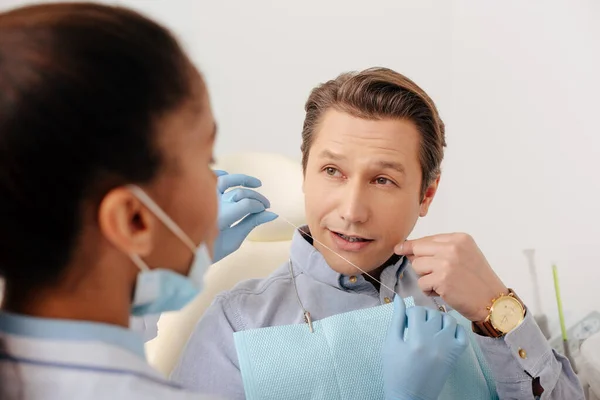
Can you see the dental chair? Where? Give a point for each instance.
(265, 249)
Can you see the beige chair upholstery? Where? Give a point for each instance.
(266, 248)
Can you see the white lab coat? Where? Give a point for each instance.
(146, 326)
(34, 368)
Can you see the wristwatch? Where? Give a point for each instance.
(505, 314)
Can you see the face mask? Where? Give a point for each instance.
(161, 290)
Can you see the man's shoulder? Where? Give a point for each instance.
(254, 300)
(259, 287)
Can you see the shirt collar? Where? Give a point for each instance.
(311, 262)
(62, 329)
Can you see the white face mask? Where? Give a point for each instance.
(161, 290)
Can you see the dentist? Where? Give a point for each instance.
(108, 200)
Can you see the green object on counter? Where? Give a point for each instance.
(561, 316)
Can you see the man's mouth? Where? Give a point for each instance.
(352, 238)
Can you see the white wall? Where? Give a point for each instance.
(524, 142)
(516, 83)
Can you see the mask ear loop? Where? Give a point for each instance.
(137, 260)
(160, 214)
(165, 219)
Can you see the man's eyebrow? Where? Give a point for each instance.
(331, 155)
(396, 166)
(391, 165)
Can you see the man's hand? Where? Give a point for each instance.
(453, 267)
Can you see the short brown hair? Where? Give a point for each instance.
(380, 93)
(83, 88)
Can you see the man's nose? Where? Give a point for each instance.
(354, 205)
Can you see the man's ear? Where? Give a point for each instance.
(428, 196)
(126, 223)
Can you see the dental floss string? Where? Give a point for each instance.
(339, 255)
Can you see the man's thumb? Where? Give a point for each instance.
(404, 249)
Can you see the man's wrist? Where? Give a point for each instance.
(506, 313)
(485, 308)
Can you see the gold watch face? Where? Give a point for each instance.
(507, 313)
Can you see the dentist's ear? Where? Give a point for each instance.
(428, 196)
(126, 223)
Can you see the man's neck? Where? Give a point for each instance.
(375, 275)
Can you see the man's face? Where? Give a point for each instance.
(362, 189)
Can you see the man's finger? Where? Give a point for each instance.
(428, 284)
(443, 237)
(227, 181)
(422, 248)
(429, 265)
(423, 265)
(219, 172)
(407, 247)
(237, 194)
(404, 248)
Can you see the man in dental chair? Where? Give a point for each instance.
(372, 146)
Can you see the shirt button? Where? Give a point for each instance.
(401, 275)
(387, 300)
(522, 354)
(353, 279)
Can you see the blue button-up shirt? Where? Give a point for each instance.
(209, 361)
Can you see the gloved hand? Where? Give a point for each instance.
(238, 204)
(417, 368)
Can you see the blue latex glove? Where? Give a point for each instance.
(417, 368)
(238, 204)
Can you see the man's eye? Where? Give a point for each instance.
(330, 171)
(383, 181)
